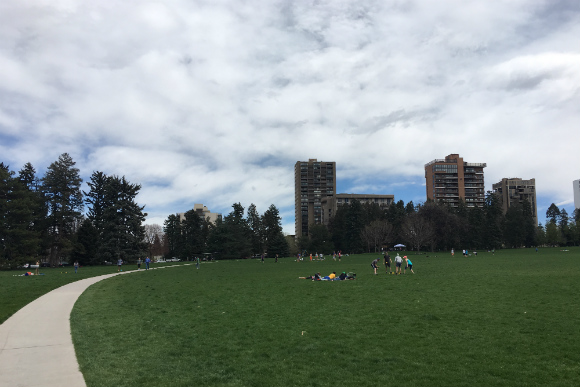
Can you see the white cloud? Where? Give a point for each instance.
(214, 102)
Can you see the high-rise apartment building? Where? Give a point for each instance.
(576, 187)
(514, 191)
(451, 179)
(313, 181)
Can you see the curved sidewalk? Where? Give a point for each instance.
(36, 346)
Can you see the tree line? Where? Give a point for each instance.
(240, 234)
(41, 218)
(367, 227)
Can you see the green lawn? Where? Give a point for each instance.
(16, 291)
(506, 320)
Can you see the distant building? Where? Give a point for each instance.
(313, 181)
(576, 186)
(331, 204)
(514, 191)
(203, 212)
(451, 179)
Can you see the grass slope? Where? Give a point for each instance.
(505, 320)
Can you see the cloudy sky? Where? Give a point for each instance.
(214, 101)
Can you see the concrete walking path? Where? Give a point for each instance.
(36, 346)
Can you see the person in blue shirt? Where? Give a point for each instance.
(408, 264)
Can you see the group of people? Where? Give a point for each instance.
(139, 262)
(465, 253)
(398, 263)
(319, 257)
(331, 277)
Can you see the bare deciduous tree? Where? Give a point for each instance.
(376, 234)
(417, 231)
(152, 231)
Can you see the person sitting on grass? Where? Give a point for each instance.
(408, 264)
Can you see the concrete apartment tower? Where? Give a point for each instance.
(451, 179)
(514, 191)
(576, 186)
(313, 181)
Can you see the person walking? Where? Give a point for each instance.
(119, 264)
(139, 262)
(398, 262)
(276, 261)
(262, 258)
(147, 262)
(36, 270)
(76, 266)
(197, 262)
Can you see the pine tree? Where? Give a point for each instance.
(123, 232)
(172, 230)
(86, 244)
(192, 235)
(117, 218)
(255, 223)
(274, 237)
(64, 199)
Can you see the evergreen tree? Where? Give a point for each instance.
(96, 199)
(445, 225)
(36, 204)
(274, 237)
(320, 240)
(64, 199)
(396, 216)
(514, 232)
(540, 235)
(530, 230)
(232, 238)
(465, 232)
(355, 224)
(476, 221)
(124, 233)
(256, 226)
(96, 202)
(117, 218)
(553, 235)
(574, 234)
(553, 213)
(86, 244)
(192, 235)
(172, 230)
(493, 222)
(19, 240)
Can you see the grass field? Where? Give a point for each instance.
(16, 291)
(506, 320)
